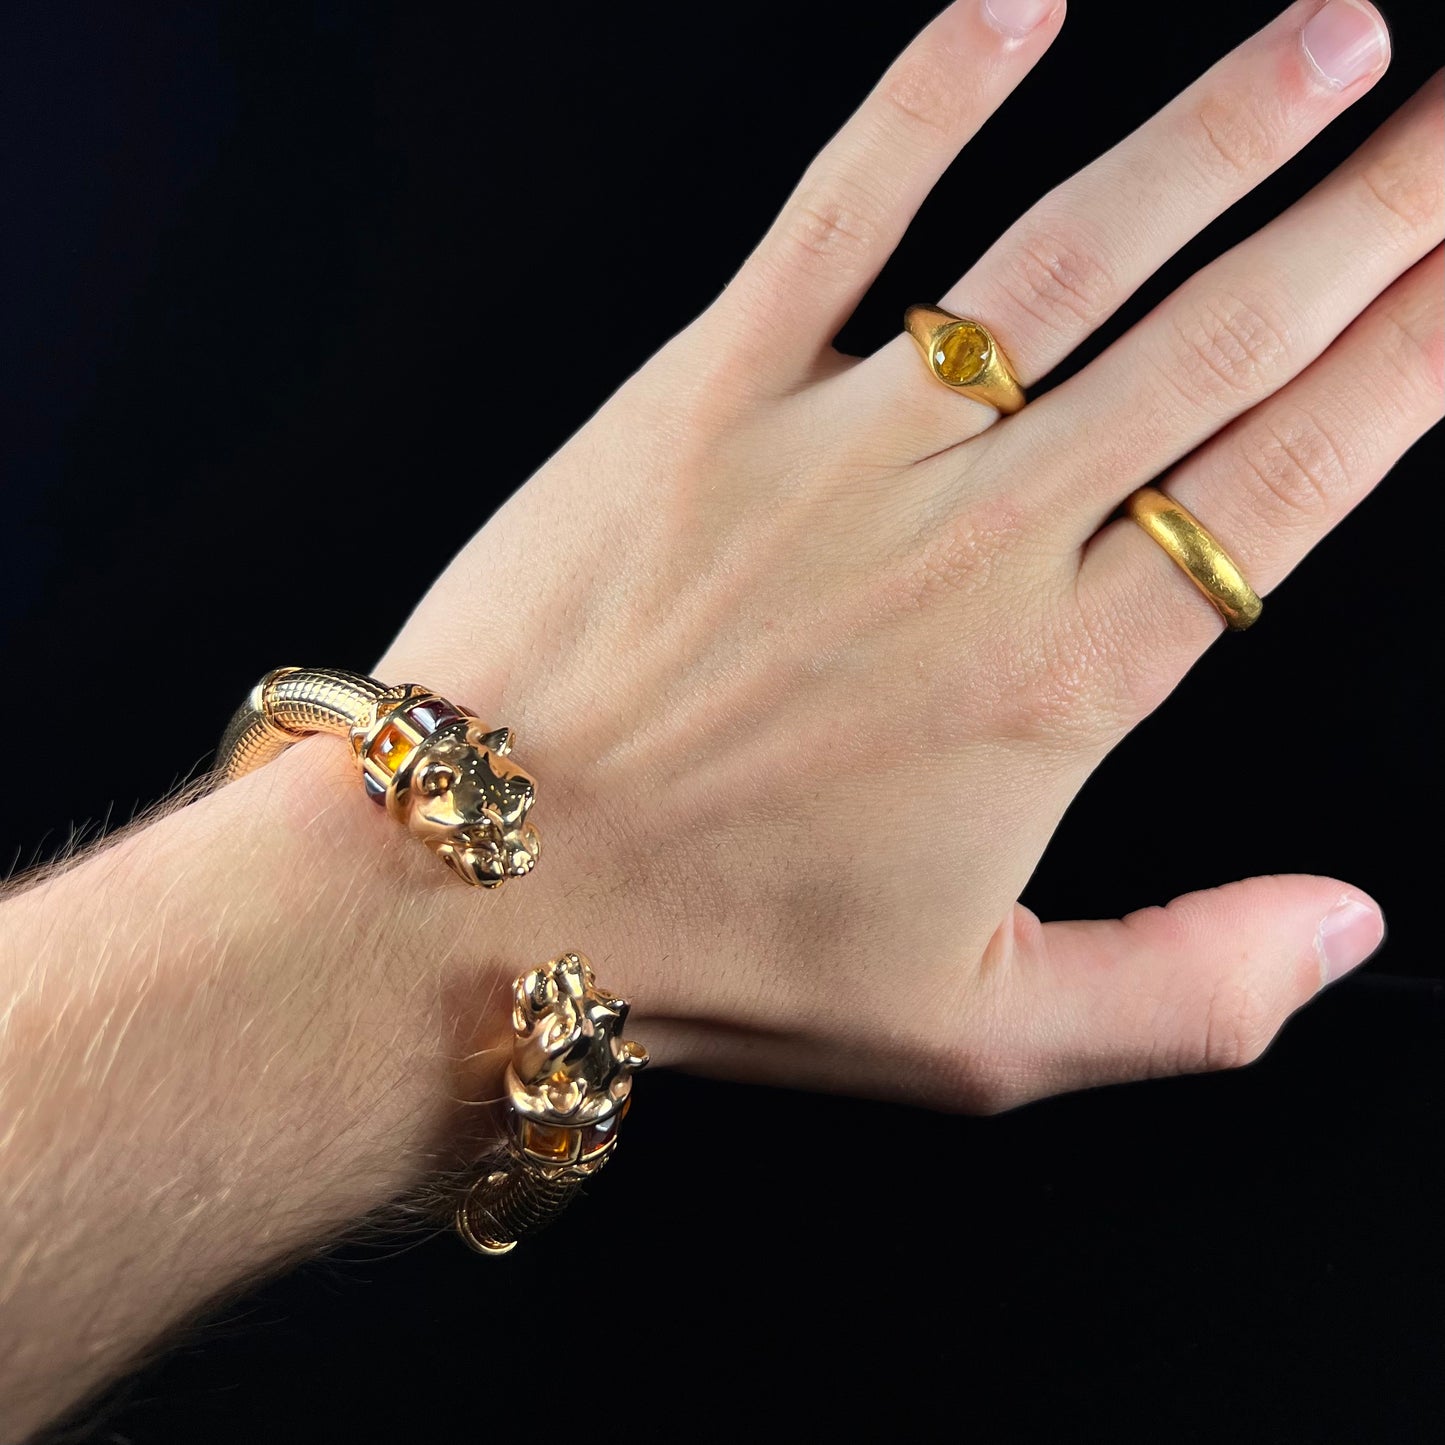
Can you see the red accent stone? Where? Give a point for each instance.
(427, 717)
(598, 1136)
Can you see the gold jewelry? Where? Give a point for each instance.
(442, 772)
(568, 1087)
(964, 356)
(432, 765)
(1194, 549)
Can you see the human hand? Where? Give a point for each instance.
(809, 657)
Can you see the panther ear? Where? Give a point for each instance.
(498, 741)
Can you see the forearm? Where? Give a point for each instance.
(225, 1036)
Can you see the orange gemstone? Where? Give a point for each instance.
(391, 748)
(961, 353)
(547, 1141)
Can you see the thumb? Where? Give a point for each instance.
(1203, 983)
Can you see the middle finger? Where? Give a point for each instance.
(1081, 252)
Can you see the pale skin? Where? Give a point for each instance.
(809, 655)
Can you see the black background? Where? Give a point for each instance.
(269, 266)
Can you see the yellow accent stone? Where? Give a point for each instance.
(392, 748)
(961, 353)
(548, 1141)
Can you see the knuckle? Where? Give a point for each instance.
(1233, 139)
(1065, 690)
(830, 226)
(1047, 687)
(1402, 194)
(1238, 1026)
(1297, 465)
(1021, 683)
(1059, 281)
(1129, 675)
(958, 559)
(957, 554)
(992, 1079)
(989, 1097)
(1415, 351)
(1227, 348)
(917, 95)
(1048, 709)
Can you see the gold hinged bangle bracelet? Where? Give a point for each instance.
(434, 766)
(445, 774)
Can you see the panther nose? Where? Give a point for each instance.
(522, 847)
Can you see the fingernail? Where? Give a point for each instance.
(1349, 933)
(1344, 41)
(1017, 17)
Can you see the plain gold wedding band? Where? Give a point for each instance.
(1196, 552)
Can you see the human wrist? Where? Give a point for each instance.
(448, 778)
(271, 943)
(412, 968)
(229, 1032)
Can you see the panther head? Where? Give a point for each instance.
(464, 800)
(570, 1064)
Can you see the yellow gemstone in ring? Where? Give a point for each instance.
(961, 353)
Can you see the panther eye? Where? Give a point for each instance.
(435, 778)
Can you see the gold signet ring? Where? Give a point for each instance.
(1196, 552)
(964, 356)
